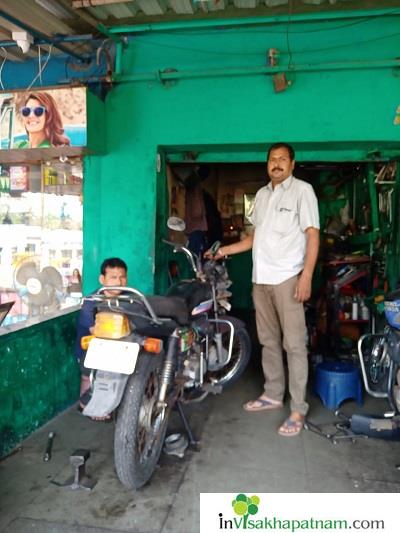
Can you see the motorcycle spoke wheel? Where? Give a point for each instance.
(147, 417)
(141, 425)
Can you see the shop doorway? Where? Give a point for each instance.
(359, 236)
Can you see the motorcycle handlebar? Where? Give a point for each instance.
(190, 255)
(215, 247)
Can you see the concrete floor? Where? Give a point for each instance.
(240, 452)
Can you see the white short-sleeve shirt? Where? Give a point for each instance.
(280, 218)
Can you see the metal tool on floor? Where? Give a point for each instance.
(49, 446)
(341, 429)
(176, 444)
(80, 480)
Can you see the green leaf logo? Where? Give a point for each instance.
(245, 505)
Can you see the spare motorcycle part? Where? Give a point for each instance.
(107, 391)
(141, 424)
(49, 445)
(80, 480)
(111, 325)
(175, 444)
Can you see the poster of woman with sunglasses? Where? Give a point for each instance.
(42, 122)
(43, 119)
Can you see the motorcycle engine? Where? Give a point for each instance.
(192, 369)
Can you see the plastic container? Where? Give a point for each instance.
(392, 309)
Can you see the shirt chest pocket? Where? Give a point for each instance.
(285, 219)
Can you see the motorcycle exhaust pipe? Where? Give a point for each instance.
(167, 374)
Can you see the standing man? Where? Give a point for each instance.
(285, 246)
(113, 272)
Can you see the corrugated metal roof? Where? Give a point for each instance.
(53, 20)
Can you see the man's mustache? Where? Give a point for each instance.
(277, 168)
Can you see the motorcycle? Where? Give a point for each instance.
(149, 354)
(379, 356)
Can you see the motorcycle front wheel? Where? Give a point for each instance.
(140, 431)
(241, 351)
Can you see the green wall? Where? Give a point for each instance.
(39, 377)
(340, 106)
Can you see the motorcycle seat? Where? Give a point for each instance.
(172, 307)
(193, 292)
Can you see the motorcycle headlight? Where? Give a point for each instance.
(111, 325)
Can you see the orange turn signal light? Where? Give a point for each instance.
(153, 345)
(85, 341)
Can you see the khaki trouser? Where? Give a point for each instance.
(281, 322)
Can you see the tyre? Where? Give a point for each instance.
(241, 351)
(377, 364)
(139, 432)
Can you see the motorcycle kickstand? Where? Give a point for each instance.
(193, 443)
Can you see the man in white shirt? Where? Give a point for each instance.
(285, 246)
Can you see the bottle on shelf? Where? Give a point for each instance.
(364, 311)
(354, 308)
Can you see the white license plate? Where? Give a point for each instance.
(112, 356)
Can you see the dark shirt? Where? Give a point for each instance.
(85, 322)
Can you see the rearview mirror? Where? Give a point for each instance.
(176, 224)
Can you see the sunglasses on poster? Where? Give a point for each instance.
(37, 111)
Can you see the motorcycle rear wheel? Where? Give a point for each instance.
(139, 434)
(241, 351)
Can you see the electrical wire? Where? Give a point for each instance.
(2, 66)
(41, 68)
(256, 54)
(346, 45)
(289, 20)
(40, 62)
(242, 31)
